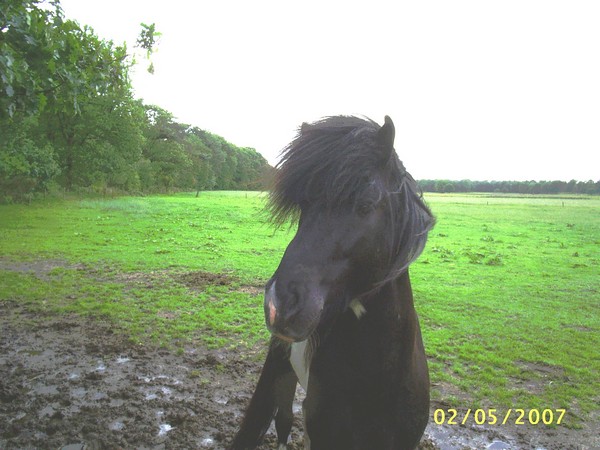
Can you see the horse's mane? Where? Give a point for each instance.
(331, 162)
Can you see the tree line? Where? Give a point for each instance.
(512, 187)
(69, 121)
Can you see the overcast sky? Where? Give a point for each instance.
(496, 90)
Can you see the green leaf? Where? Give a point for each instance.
(42, 101)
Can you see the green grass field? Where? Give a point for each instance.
(508, 288)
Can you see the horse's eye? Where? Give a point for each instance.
(364, 208)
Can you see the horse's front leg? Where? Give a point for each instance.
(274, 394)
(285, 389)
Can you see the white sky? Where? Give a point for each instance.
(479, 89)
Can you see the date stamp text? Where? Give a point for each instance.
(492, 416)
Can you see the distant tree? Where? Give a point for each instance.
(517, 187)
(444, 186)
(232, 167)
(99, 144)
(589, 187)
(427, 185)
(164, 150)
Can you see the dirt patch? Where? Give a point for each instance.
(41, 268)
(195, 281)
(200, 279)
(252, 290)
(70, 383)
(544, 375)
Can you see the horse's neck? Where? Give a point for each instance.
(392, 315)
(393, 300)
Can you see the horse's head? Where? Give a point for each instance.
(360, 222)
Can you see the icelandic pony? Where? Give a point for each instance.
(340, 305)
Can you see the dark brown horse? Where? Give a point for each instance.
(340, 304)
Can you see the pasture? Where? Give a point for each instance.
(507, 289)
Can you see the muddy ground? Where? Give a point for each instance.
(71, 383)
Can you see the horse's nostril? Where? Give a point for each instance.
(294, 293)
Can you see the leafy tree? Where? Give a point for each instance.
(47, 62)
(27, 161)
(77, 87)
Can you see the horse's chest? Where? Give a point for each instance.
(299, 362)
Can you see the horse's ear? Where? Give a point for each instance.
(304, 128)
(385, 137)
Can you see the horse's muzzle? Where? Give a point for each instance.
(291, 317)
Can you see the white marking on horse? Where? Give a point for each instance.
(358, 308)
(272, 310)
(299, 363)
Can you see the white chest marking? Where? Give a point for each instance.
(298, 361)
(358, 308)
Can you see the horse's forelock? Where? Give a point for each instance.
(327, 164)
